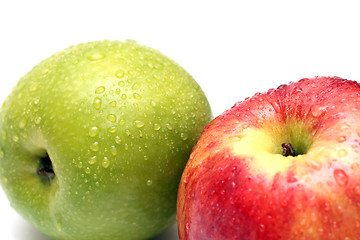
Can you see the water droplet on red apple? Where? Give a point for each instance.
(357, 190)
(342, 153)
(315, 165)
(340, 177)
(341, 139)
(317, 111)
(276, 106)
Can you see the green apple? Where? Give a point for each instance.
(94, 139)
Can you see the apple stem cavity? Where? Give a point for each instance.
(288, 150)
(45, 170)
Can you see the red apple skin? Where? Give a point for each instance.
(227, 192)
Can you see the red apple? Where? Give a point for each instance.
(284, 164)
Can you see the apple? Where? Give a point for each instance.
(94, 139)
(284, 164)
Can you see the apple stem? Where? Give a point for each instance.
(288, 150)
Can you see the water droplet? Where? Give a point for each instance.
(112, 129)
(16, 138)
(123, 96)
(118, 140)
(157, 126)
(137, 96)
(146, 158)
(168, 126)
(139, 124)
(149, 182)
(105, 162)
(119, 74)
(80, 165)
(113, 103)
(317, 111)
(97, 103)
(340, 177)
(117, 91)
(316, 165)
(341, 139)
(96, 56)
(122, 122)
(184, 136)
(111, 118)
(342, 153)
(93, 131)
(153, 103)
(126, 147)
(37, 120)
(87, 170)
(34, 87)
(92, 160)
(100, 89)
(22, 123)
(113, 150)
(2, 153)
(94, 147)
(357, 190)
(136, 86)
(121, 83)
(36, 101)
(58, 226)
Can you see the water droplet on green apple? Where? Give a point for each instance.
(117, 91)
(100, 89)
(58, 226)
(97, 103)
(16, 138)
(87, 170)
(2, 153)
(96, 56)
(146, 158)
(137, 96)
(93, 131)
(122, 122)
(118, 140)
(121, 83)
(126, 147)
(149, 182)
(113, 103)
(136, 86)
(168, 126)
(112, 129)
(37, 120)
(184, 136)
(22, 123)
(119, 74)
(340, 177)
(80, 164)
(92, 160)
(153, 103)
(105, 162)
(113, 150)
(123, 96)
(94, 147)
(157, 126)
(139, 124)
(111, 118)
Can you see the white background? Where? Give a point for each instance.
(232, 48)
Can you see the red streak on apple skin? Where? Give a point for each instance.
(221, 197)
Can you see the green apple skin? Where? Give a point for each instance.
(118, 121)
